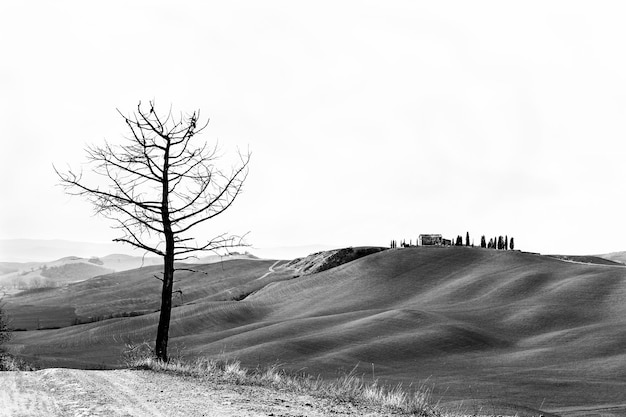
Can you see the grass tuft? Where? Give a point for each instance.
(349, 387)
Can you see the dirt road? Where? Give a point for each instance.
(71, 392)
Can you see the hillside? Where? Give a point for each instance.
(137, 292)
(321, 261)
(51, 274)
(615, 257)
(585, 259)
(476, 324)
(109, 263)
(15, 276)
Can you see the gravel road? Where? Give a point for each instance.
(71, 392)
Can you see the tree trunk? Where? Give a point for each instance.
(166, 304)
(168, 265)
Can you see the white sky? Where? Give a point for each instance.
(367, 120)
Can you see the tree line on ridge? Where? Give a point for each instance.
(497, 242)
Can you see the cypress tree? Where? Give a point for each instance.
(506, 242)
(467, 243)
(511, 243)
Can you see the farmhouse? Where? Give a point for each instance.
(430, 240)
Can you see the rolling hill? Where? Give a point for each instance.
(69, 269)
(35, 275)
(615, 257)
(39, 250)
(479, 326)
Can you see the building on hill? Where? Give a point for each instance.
(430, 240)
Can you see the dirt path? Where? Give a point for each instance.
(271, 270)
(71, 392)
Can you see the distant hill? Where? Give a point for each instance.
(600, 260)
(493, 328)
(52, 274)
(290, 252)
(220, 258)
(72, 272)
(615, 257)
(120, 262)
(321, 261)
(7, 269)
(38, 250)
(41, 251)
(32, 275)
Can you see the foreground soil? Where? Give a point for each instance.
(71, 392)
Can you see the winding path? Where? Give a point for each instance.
(271, 270)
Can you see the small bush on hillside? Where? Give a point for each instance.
(241, 296)
(5, 333)
(137, 355)
(11, 363)
(134, 355)
(8, 362)
(35, 290)
(95, 260)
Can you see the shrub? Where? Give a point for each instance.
(11, 363)
(136, 355)
(5, 332)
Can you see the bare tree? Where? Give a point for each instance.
(160, 184)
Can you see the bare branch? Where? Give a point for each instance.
(231, 190)
(191, 270)
(140, 246)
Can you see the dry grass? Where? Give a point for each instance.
(347, 388)
(11, 363)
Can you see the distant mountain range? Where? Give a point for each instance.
(41, 251)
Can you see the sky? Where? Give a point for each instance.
(367, 120)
